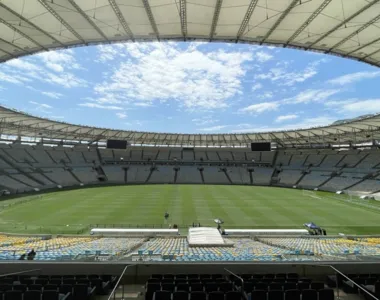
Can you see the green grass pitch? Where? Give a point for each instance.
(74, 211)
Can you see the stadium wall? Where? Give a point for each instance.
(140, 272)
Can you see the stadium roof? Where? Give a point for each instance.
(348, 28)
(356, 131)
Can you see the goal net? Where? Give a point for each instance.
(354, 200)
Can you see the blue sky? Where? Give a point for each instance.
(190, 87)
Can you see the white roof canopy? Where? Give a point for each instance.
(348, 28)
(20, 124)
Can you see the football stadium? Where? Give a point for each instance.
(88, 212)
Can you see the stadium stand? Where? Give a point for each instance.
(188, 174)
(214, 175)
(25, 168)
(163, 174)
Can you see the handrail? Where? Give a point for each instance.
(357, 285)
(238, 277)
(20, 272)
(349, 279)
(117, 283)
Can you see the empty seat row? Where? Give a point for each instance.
(33, 295)
(187, 276)
(100, 287)
(208, 287)
(324, 294)
(267, 276)
(249, 286)
(191, 280)
(181, 295)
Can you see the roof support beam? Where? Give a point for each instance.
(8, 53)
(183, 16)
(215, 18)
(121, 18)
(10, 44)
(23, 34)
(60, 19)
(370, 54)
(308, 21)
(279, 20)
(366, 25)
(246, 19)
(149, 13)
(31, 24)
(362, 46)
(88, 19)
(343, 23)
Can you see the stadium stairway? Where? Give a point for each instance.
(250, 177)
(125, 174)
(322, 160)
(228, 176)
(73, 174)
(99, 155)
(152, 169)
(201, 172)
(51, 157)
(176, 169)
(326, 181)
(39, 171)
(15, 166)
(304, 173)
(360, 160)
(360, 181)
(343, 158)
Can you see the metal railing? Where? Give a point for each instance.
(349, 279)
(20, 272)
(238, 277)
(113, 293)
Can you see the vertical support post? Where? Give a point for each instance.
(337, 286)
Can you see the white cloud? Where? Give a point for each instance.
(42, 107)
(59, 60)
(311, 96)
(354, 77)
(163, 72)
(284, 118)
(260, 107)
(304, 124)
(143, 104)
(121, 115)
(96, 105)
(286, 77)
(110, 52)
(262, 56)
(54, 95)
(66, 80)
(14, 78)
(213, 128)
(41, 104)
(22, 64)
(27, 70)
(204, 121)
(256, 87)
(360, 107)
(265, 95)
